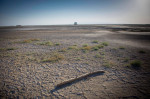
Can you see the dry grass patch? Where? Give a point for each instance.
(54, 58)
(72, 47)
(48, 43)
(63, 50)
(7, 49)
(97, 56)
(28, 40)
(108, 64)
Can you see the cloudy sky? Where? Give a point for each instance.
(51, 12)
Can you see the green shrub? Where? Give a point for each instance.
(95, 41)
(121, 47)
(99, 46)
(136, 63)
(105, 43)
(95, 48)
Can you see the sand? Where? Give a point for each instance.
(30, 68)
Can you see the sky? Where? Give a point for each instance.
(55, 12)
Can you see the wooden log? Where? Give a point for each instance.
(66, 83)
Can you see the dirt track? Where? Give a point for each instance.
(24, 73)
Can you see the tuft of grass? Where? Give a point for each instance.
(48, 43)
(95, 41)
(28, 40)
(102, 53)
(72, 47)
(99, 46)
(5, 55)
(108, 64)
(54, 58)
(95, 48)
(86, 48)
(84, 45)
(7, 49)
(2, 49)
(121, 47)
(135, 63)
(142, 52)
(78, 59)
(10, 49)
(63, 50)
(86, 63)
(31, 59)
(97, 56)
(57, 44)
(105, 43)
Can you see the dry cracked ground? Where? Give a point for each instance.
(34, 59)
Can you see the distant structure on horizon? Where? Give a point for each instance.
(75, 23)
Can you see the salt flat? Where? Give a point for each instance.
(34, 59)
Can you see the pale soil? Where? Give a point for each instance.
(24, 75)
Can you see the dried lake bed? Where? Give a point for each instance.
(34, 59)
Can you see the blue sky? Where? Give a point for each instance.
(49, 12)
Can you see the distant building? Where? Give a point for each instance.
(75, 23)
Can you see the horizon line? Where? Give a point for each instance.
(74, 25)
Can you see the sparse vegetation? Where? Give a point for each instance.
(85, 45)
(102, 53)
(121, 47)
(57, 44)
(108, 64)
(63, 50)
(97, 56)
(54, 58)
(136, 63)
(72, 47)
(105, 43)
(95, 41)
(5, 55)
(31, 58)
(95, 48)
(48, 43)
(78, 59)
(7, 49)
(28, 40)
(99, 46)
(86, 48)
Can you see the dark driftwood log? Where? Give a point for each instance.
(69, 82)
